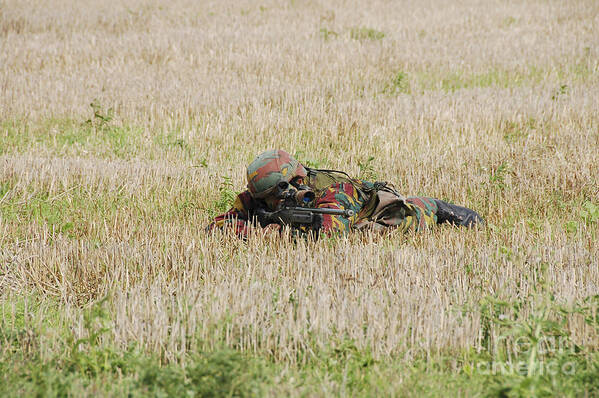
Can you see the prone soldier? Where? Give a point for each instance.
(282, 191)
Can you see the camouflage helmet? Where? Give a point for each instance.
(270, 168)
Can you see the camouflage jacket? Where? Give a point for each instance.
(375, 206)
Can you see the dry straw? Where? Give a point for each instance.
(490, 105)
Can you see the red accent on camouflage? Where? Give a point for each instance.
(421, 212)
(273, 166)
(300, 171)
(425, 211)
(236, 217)
(419, 203)
(339, 196)
(269, 168)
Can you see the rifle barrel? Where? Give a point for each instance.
(341, 212)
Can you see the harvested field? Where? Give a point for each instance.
(124, 129)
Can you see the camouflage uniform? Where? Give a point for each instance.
(376, 205)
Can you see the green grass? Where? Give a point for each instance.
(77, 212)
(520, 355)
(364, 33)
(454, 80)
(70, 137)
(103, 139)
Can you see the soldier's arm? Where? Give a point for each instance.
(339, 196)
(236, 217)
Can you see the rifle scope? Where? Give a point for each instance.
(301, 197)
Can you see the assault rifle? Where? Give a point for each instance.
(297, 216)
(293, 211)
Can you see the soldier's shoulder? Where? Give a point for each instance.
(245, 197)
